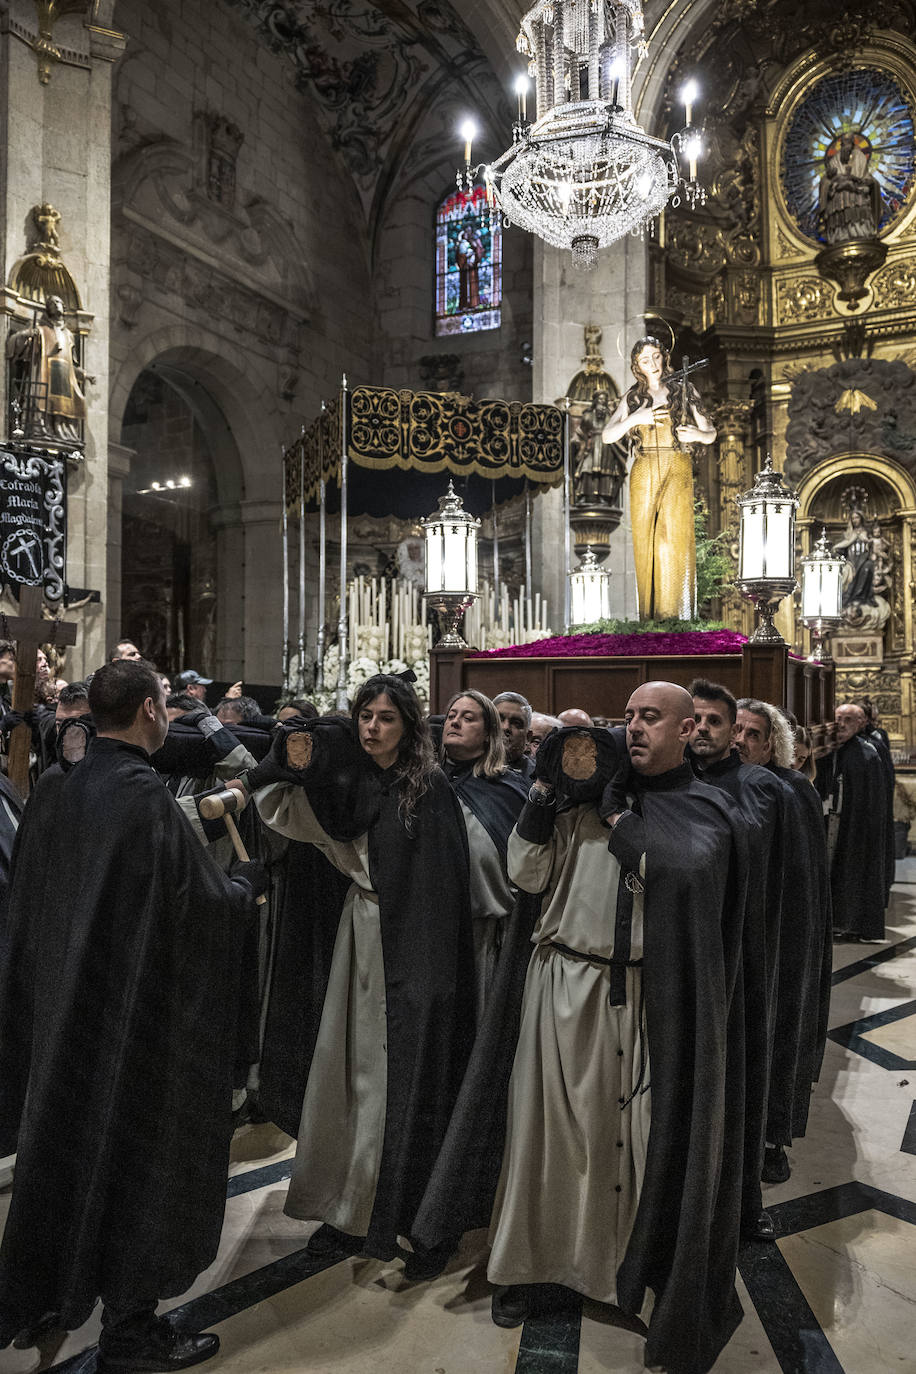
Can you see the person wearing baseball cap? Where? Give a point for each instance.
(192, 684)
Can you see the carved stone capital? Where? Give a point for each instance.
(731, 417)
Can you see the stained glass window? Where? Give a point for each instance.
(469, 276)
(869, 105)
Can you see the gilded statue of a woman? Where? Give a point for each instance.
(662, 417)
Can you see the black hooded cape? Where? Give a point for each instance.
(684, 1242)
(853, 775)
(424, 906)
(764, 801)
(309, 897)
(462, 1187)
(805, 966)
(879, 741)
(421, 879)
(116, 1021)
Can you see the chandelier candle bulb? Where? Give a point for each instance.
(688, 96)
(468, 133)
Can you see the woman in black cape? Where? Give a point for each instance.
(398, 1018)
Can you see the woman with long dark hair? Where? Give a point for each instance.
(398, 1018)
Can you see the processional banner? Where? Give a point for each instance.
(427, 432)
(33, 520)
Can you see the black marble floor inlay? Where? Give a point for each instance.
(908, 1144)
(880, 956)
(791, 1327)
(252, 1179)
(851, 1036)
(550, 1337)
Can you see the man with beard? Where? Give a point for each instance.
(124, 950)
(852, 784)
(805, 948)
(766, 804)
(618, 1177)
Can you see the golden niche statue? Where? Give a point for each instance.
(48, 390)
(662, 415)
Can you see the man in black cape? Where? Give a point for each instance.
(655, 979)
(766, 804)
(852, 784)
(805, 944)
(116, 1023)
(879, 741)
(199, 753)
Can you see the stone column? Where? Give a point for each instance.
(613, 296)
(119, 459)
(731, 419)
(56, 128)
(263, 583)
(230, 594)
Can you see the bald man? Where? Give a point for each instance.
(541, 726)
(574, 715)
(622, 1166)
(852, 784)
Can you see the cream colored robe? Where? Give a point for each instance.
(576, 1144)
(339, 1151)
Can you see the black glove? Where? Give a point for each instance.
(252, 873)
(535, 824)
(13, 718)
(273, 768)
(614, 796)
(196, 716)
(541, 771)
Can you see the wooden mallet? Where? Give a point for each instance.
(224, 804)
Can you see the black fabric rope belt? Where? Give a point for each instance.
(617, 995)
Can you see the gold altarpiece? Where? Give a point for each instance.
(812, 343)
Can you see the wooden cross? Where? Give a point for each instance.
(30, 631)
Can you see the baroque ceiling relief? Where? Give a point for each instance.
(386, 77)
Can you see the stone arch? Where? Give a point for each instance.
(216, 380)
(245, 427)
(851, 466)
(885, 479)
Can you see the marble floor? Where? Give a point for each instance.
(835, 1295)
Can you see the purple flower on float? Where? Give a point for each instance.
(620, 646)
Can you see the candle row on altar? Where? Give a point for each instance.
(394, 608)
(514, 619)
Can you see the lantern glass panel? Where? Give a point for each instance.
(454, 558)
(753, 547)
(434, 581)
(821, 589)
(590, 597)
(779, 548)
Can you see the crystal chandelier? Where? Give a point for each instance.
(584, 173)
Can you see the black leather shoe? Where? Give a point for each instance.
(761, 1228)
(776, 1167)
(422, 1265)
(163, 1350)
(328, 1241)
(511, 1305)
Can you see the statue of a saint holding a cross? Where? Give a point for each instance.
(663, 415)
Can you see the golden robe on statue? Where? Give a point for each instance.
(661, 513)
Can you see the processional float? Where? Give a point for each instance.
(382, 451)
